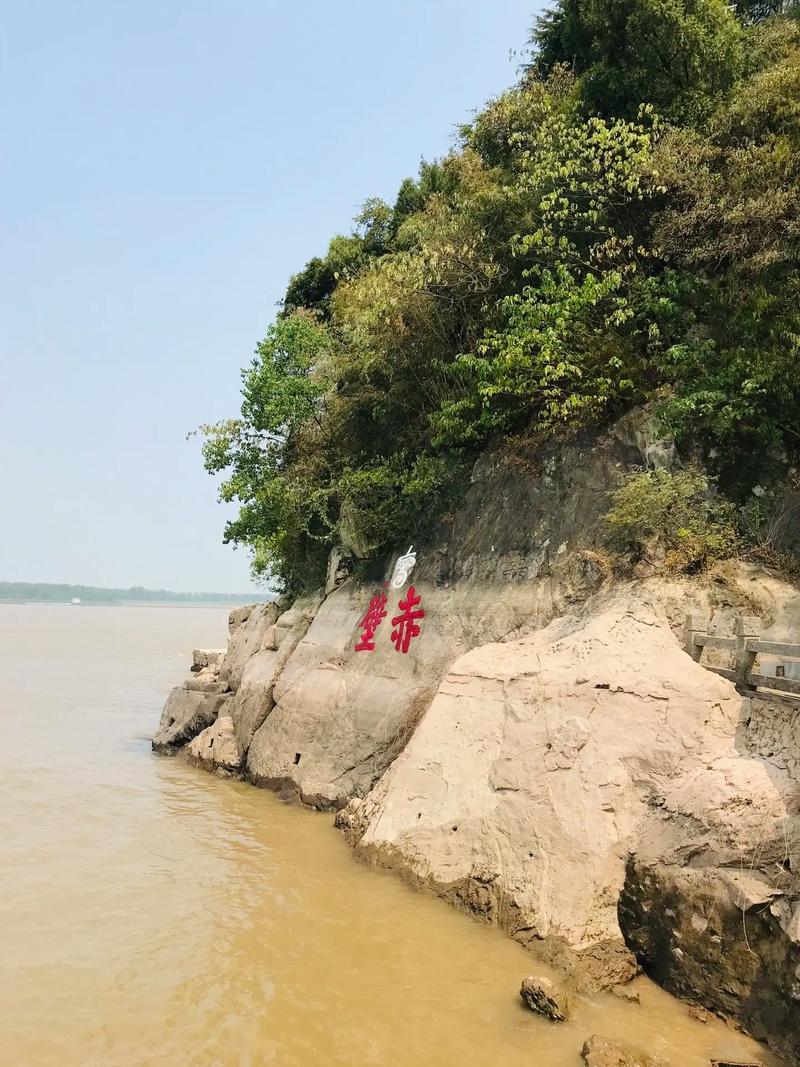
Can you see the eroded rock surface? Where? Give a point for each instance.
(185, 714)
(341, 716)
(216, 747)
(543, 763)
(543, 997)
(600, 1052)
(279, 633)
(247, 638)
(723, 936)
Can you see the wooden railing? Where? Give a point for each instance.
(745, 645)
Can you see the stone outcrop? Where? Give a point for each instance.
(207, 659)
(546, 755)
(340, 717)
(723, 936)
(542, 761)
(215, 748)
(247, 638)
(600, 1052)
(237, 685)
(277, 641)
(185, 714)
(543, 997)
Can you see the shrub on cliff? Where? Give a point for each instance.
(671, 517)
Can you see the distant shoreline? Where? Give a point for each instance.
(84, 595)
(127, 603)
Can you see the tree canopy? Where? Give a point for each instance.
(620, 226)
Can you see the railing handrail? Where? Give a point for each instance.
(745, 645)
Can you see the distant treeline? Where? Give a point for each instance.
(54, 593)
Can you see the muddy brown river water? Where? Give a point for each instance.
(155, 915)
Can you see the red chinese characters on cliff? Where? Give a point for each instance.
(406, 628)
(405, 624)
(376, 613)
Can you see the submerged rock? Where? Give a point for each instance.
(626, 993)
(545, 998)
(600, 1052)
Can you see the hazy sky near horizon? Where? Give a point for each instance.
(165, 168)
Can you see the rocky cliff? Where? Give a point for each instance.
(545, 754)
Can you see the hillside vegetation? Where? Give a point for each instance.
(621, 226)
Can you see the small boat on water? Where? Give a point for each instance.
(75, 600)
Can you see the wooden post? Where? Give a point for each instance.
(748, 628)
(695, 624)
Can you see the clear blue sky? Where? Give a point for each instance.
(165, 167)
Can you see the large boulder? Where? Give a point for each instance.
(337, 713)
(262, 637)
(253, 699)
(543, 762)
(203, 658)
(725, 936)
(238, 616)
(206, 680)
(185, 714)
(342, 715)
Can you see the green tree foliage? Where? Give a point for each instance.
(578, 337)
(620, 226)
(675, 54)
(275, 452)
(673, 514)
(732, 225)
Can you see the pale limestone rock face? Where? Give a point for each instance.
(238, 616)
(216, 746)
(185, 714)
(207, 657)
(341, 716)
(542, 763)
(205, 680)
(254, 701)
(247, 638)
(347, 714)
(295, 620)
(335, 709)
